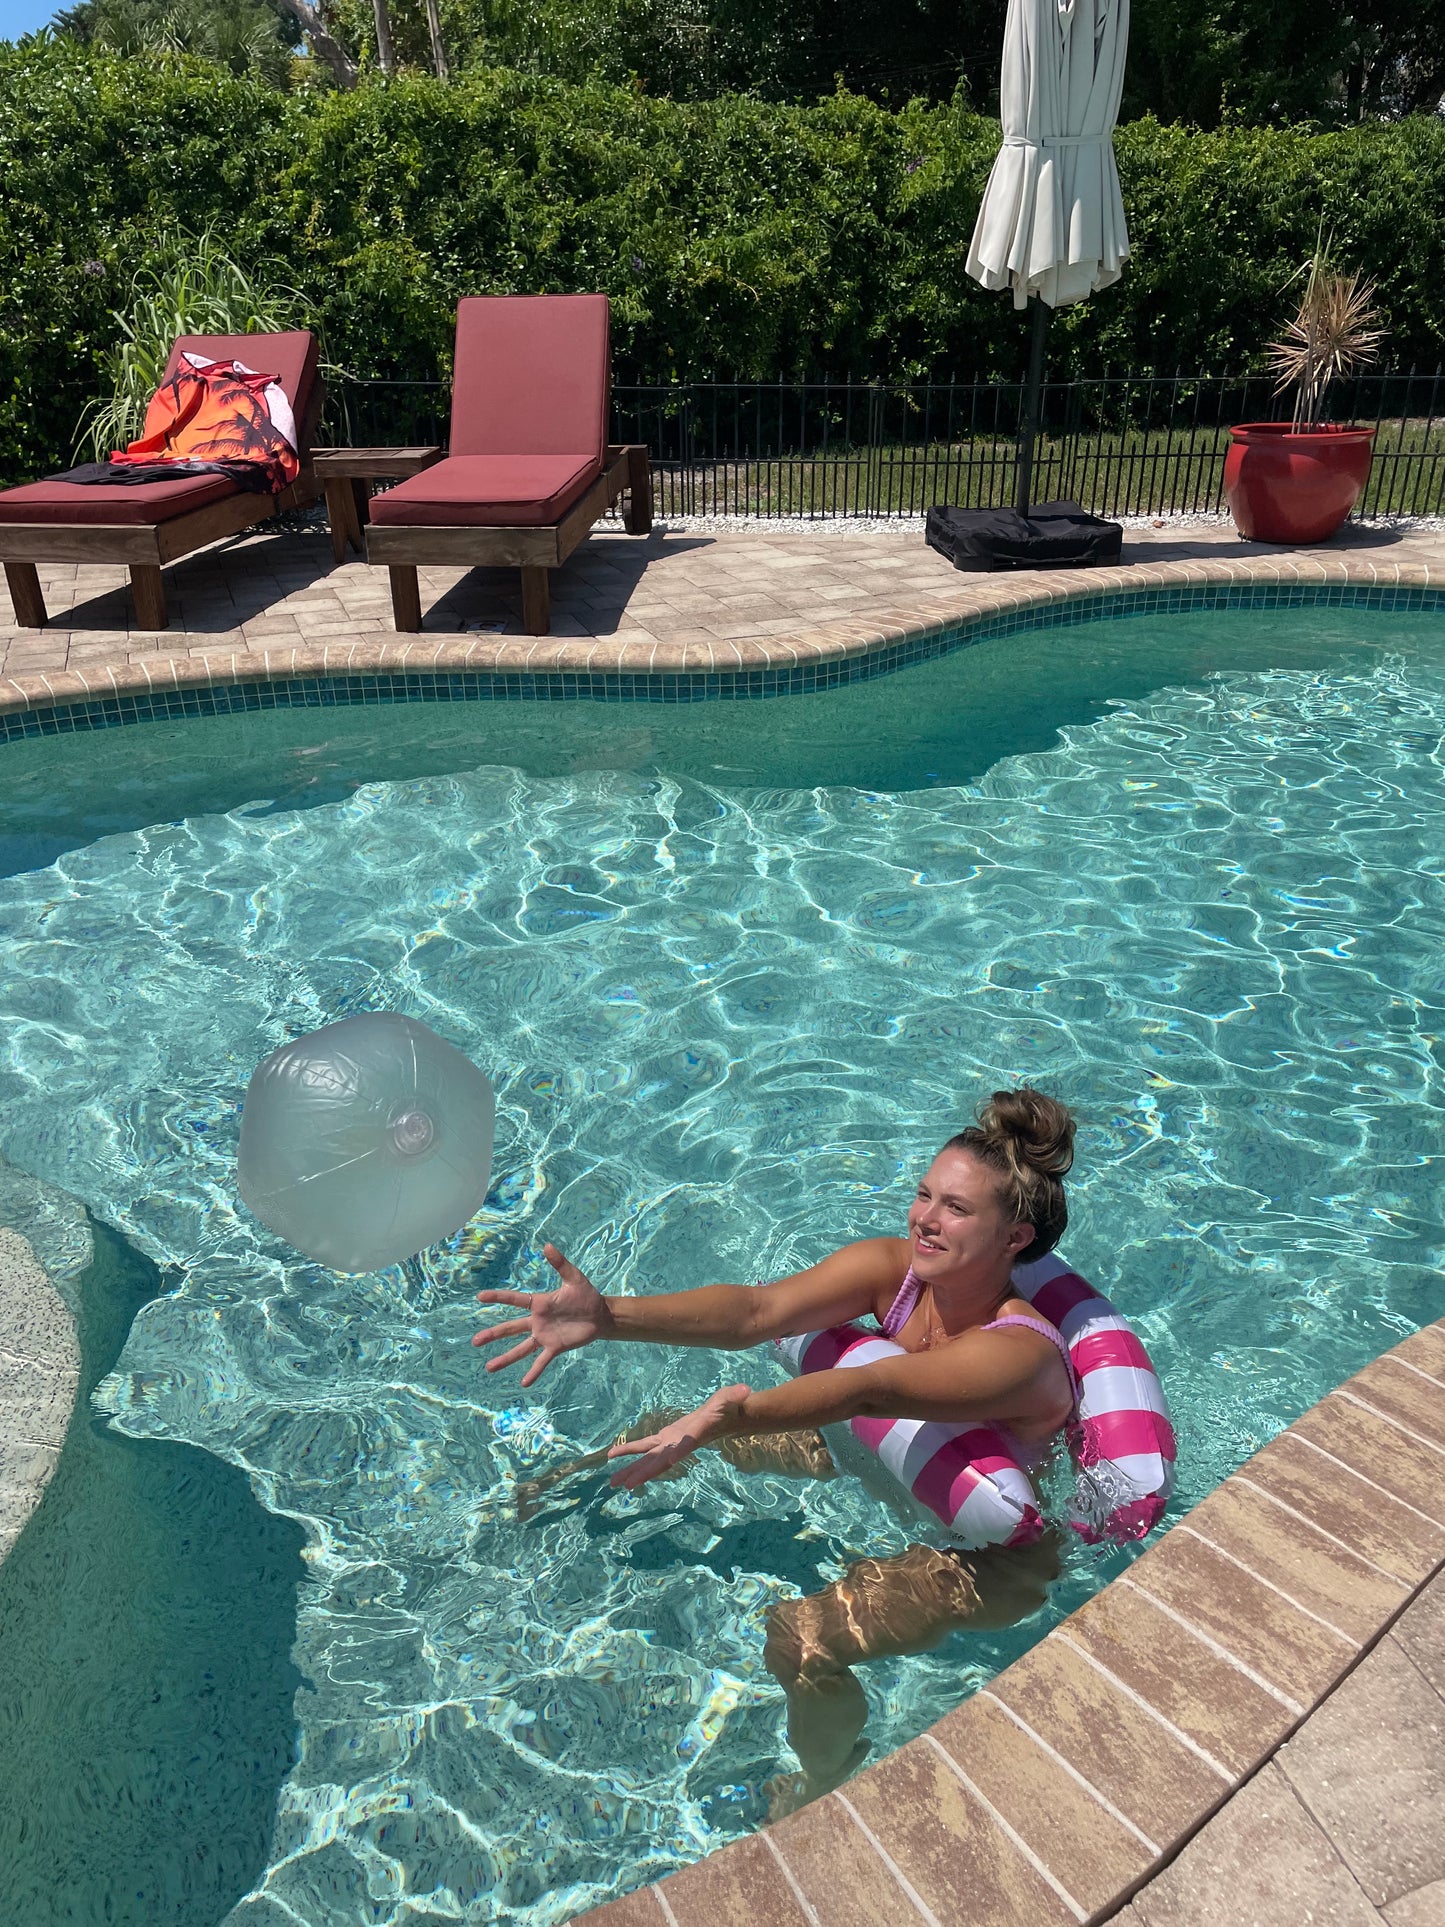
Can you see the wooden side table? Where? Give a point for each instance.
(347, 475)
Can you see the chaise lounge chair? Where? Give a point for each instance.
(58, 521)
(529, 469)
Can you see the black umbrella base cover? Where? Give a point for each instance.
(1053, 535)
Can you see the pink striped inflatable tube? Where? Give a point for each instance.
(972, 1478)
(1122, 1442)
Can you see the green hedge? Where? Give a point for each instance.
(734, 236)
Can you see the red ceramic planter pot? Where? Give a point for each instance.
(1294, 485)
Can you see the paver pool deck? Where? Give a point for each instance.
(1245, 1730)
(681, 600)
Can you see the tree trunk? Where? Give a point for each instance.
(327, 49)
(384, 52)
(438, 52)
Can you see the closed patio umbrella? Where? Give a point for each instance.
(1051, 226)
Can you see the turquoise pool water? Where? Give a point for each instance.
(146, 1686)
(735, 972)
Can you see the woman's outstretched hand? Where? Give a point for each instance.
(658, 1454)
(555, 1322)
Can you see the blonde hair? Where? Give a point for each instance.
(1028, 1139)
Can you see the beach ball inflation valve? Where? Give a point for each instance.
(366, 1141)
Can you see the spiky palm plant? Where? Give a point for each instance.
(188, 285)
(1334, 333)
(249, 36)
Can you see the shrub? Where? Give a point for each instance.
(735, 236)
(100, 155)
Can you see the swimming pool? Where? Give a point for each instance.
(735, 971)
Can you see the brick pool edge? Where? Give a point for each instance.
(851, 649)
(1062, 1787)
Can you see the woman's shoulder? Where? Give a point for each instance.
(1017, 1324)
(1054, 1376)
(852, 1282)
(1021, 1308)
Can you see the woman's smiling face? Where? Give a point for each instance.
(957, 1225)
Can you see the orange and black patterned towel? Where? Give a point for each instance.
(217, 414)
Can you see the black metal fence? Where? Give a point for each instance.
(1120, 444)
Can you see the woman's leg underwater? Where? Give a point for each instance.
(881, 1608)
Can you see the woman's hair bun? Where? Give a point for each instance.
(1037, 1129)
(1028, 1139)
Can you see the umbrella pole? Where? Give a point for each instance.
(1028, 433)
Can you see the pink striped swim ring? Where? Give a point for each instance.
(972, 1478)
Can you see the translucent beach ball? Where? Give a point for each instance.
(366, 1141)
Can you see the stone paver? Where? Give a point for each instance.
(1421, 1631)
(717, 598)
(1370, 1767)
(1346, 1825)
(1262, 1863)
(1423, 1908)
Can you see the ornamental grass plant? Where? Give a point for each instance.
(187, 284)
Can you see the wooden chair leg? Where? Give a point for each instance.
(405, 597)
(536, 602)
(23, 581)
(338, 514)
(637, 519)
(149, 595)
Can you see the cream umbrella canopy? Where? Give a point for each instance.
(1051, 225)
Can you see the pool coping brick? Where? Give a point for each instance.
(1180, 1699)
(106, 677)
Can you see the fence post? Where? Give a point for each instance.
(874, 459)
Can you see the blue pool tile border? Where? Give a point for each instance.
(448, 685)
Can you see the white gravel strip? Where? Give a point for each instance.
(861, 527)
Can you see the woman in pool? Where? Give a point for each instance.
(973, 1351)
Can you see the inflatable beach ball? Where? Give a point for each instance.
(366, 1141)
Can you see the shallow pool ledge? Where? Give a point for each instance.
(1062, 1787)
(106, 683)
(39, 1376)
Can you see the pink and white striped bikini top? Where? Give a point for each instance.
(901, 1310)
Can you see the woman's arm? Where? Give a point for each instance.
(844, 1285)
(725, 1317)
(1005, 1377)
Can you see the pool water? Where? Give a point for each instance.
(146, 1687)
(735, 971)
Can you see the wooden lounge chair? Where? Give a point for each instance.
(529, 469)
(56, 521)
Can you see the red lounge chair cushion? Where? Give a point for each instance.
(291, 358)
(531, 375)
(112, 504)
(488, 491)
